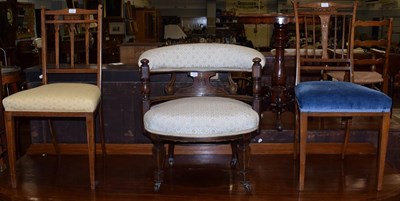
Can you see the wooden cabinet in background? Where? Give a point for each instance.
(25, 20)
(130, 52)
(149, 26)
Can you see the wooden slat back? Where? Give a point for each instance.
(378, 47)
(72, 23)
(323, 37)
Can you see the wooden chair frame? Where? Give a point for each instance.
(202, 86)
(69, 17)
(303, 117)
(378, 57)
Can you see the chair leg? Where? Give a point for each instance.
(383, 140)
(90, 126)
(18, 152)
(101, 130)
(171, 148)
(244, 159)
(3, 152)
(296, 133)
(348, 121)
(159, 159)
(54, 137)
(303, 142)
(234, 160)
(10, 133)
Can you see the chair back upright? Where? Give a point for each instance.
(73, 35)
(377, 47)
(323, 37)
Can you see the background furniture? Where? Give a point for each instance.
(332, 98)
(205, 111)
(61, 100)
(279, 94)
(130, 52)
(149, 27)
(371, 69)
(8, 22)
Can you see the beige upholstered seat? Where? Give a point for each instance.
(57, 97)
(201, 117)
(69, 99)
(209, 110)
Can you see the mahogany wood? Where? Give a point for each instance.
(279, 94)
(201, 86)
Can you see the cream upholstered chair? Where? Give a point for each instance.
(68, 100)
(209, 110)
(332, 22)
(372, 55)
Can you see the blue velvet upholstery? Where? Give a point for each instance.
(337, 96)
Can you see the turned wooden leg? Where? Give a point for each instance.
(234, 160)
(171, 147)
(244, 159)
(159, 159)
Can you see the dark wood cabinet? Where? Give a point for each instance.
(149, 26)
(227, 26)
(111, 40)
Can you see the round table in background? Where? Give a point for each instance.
(11, 77)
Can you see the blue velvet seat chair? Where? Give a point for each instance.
(209, 110)
(327, 26)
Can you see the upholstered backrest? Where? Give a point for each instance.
(202, 57)
(193, 69)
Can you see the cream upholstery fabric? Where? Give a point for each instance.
(360, 77)
(58, 97)
(202, 57)
(201, 117)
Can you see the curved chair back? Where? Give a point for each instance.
(205, 108)
(202, 61)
